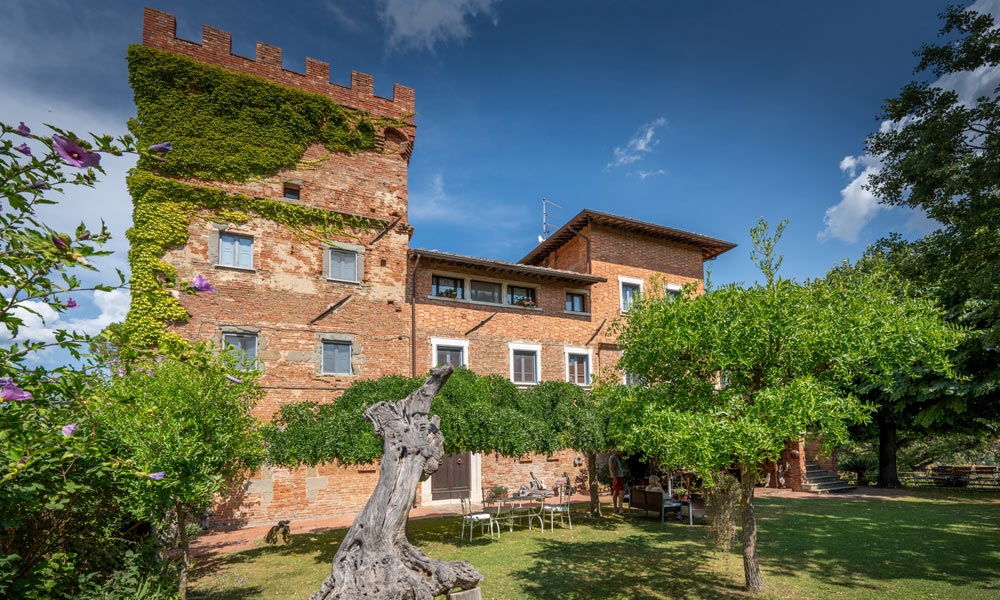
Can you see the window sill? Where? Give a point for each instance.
(524, 383)
(479, 303)
(337, 374)
(347, 281)
(235, 268)
(576, 313)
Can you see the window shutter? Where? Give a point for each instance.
(227, 252)
(245, 257)
(213, 247)
(343, 358)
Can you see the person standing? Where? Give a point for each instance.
(617, 474)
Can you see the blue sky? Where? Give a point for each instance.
(701, 116)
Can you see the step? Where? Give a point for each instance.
(822, 478)
(835, 490)
(826, 486)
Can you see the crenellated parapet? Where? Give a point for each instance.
(159, 30)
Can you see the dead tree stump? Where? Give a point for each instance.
(376, 561)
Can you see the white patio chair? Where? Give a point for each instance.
(562, 508)
(471, 519)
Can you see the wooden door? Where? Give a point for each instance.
(451, 480)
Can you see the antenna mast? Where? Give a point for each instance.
(545, 218)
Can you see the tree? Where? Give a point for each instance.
(786, 348)
(188, 425)
(940, 153)
(578, 420)
(375, 560)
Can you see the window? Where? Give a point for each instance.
(485, 291)
(631, 289)
(447, 287)
(449, 355)
(448, 351)
(245, 345)
(292, 191)
(575, 302)
(521, 296)
(337, 358)
(343, 265)
(524, 368)
(235, 251)
(671, 292)
(633, 379)
(578, 368)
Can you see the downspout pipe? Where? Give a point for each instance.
(413, 318)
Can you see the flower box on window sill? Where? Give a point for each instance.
(525, 303)
(452, 294)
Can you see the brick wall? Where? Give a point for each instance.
(283, 298)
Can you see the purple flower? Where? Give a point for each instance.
(162, 148)
(11, 392)
(157, 476)
(72, 153)
(23, 460)
(23, 129)
(40, 184)
(71, 303)
(160, 158)
(23, 149)
(59, 242)
(150, 373)
(69, 430)
(85, 235)
(202, 285)
(233, 379)
(121, 372)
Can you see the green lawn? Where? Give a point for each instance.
(935, 545)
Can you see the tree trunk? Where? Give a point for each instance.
(595, 498)
(185, 551)
(376, 561)
(888, 474)
(751, 567)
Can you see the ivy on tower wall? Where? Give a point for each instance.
(227, 127)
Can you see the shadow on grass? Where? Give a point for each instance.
(860, 543)
(664, 561)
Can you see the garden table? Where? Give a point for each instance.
(507, 511)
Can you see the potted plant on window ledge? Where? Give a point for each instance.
(525, 302)
(447, 294)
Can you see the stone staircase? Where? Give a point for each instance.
(820, 481)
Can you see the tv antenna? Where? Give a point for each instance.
(545, 219)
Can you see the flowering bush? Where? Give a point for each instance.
(63, 530)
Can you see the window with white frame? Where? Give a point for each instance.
(630, 289)
(245, 345)
(525, 366)
(671, 291)
(236, 251)
(578, 366)
(445, 351)
(337, 358)
(343, 265)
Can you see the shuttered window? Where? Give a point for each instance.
(343, 265)
(525, 366)
(337, 358)
(246, 345)
(236, 251)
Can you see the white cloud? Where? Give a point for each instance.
(41, 321)
(421, 24)
(642, 175)
(349, 22)
(638, 145)
(857, 206)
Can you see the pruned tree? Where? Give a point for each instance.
(787, 348)
(376, 561)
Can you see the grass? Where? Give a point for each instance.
(933, 545)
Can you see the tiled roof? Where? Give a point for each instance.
(710, 247)
(500, 266)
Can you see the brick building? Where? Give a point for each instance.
(317, 318)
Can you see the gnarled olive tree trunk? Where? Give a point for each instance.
(376, 561)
